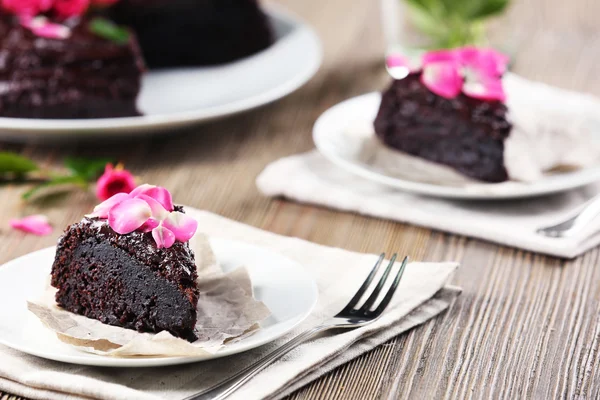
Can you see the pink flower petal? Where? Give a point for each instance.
(399, 66)
(35, 224)
(487, 62)
(160, 194)
(53, 31)
(485, 89)
(442, 78)
(158, 211)
(434, 57)
(182, 225)
(129, 215)
(102, 209)
(149, 225)
(42, 27)
(163, 237)
(141, 189)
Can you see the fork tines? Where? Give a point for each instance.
(367, 306)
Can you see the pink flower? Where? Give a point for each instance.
(147, 209)
(475, 72)
(35, 224)
(114, 180)
(26, 7)
(70, 8)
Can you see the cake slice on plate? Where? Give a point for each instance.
(66, 70)
(460, 109)
(129, 264)
(199, 32)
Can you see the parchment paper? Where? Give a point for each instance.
(227, 311)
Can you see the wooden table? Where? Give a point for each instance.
(526, 325)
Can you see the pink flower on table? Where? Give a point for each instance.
(26, 7)
(114, 180)
(35, 224)
(147, 208)
(70, 8)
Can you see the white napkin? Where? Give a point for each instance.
(422, 295)
(312, 179)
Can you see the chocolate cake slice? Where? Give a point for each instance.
(464, 133)
(81, 76)
(195, 32)
(126, 280)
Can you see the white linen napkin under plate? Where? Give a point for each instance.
(423, 293)
(312, 179)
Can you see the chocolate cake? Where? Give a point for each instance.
(195, 32)
(82, 76)
(126, 280)
(463, 132)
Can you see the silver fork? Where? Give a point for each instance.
(576, 224)
(348, 318)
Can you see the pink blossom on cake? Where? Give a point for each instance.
(147, 209)
(476, 72)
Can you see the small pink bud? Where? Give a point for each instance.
(114, 180)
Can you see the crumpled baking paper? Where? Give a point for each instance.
(227, 312)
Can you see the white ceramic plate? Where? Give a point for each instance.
(332, 138)
(282, 284)
(176, 98)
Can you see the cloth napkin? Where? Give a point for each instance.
(312, 179)
(423, 294)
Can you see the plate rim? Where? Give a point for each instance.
(575, 180)
(25, 128)
(90, 359)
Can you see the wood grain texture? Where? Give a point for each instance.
(526, 326)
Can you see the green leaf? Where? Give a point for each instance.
(109, 30)
(426, 22)
(11, 163)
(450, 23)
(53, 183)
(88, 169)
(489, 8)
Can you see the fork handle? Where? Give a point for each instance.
(224, 389)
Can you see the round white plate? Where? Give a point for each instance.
(339, 134)
(282, 284)
(176, 98)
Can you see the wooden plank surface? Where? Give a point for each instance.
(526, 326)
